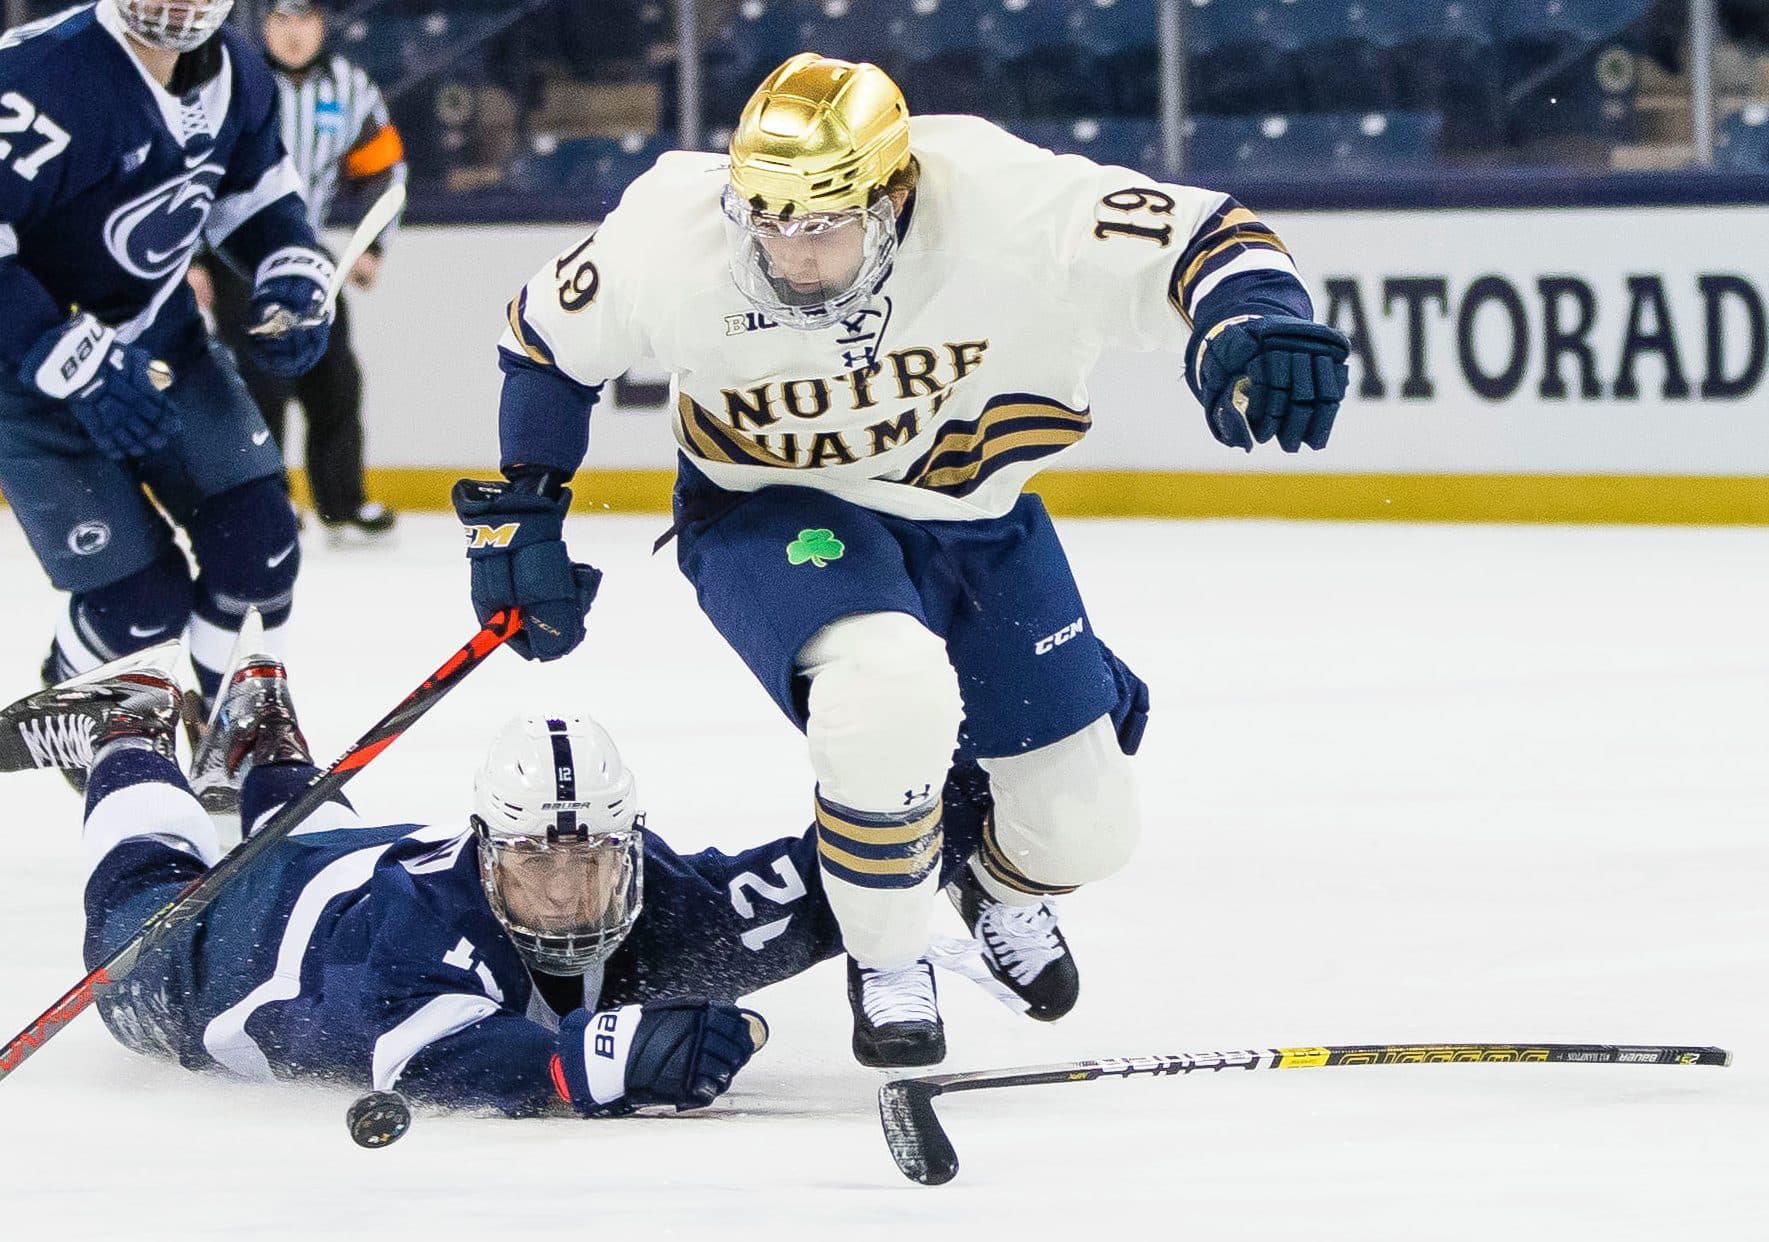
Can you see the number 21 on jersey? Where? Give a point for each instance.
(790, 888)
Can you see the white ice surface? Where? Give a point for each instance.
(1402, 784)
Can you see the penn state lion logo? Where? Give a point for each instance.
(88, 538)
(151, 236)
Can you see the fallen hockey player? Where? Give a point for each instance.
(552, 952)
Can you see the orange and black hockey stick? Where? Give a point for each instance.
(191, 903)
(922, 1151)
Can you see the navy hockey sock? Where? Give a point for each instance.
(270, 785)
(246, 546)
(145, 608)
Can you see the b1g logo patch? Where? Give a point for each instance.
(88, 538)
(749, 321)
(816, 546)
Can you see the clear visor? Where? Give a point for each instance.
(811, 270)
(568, 904)
(174, 25)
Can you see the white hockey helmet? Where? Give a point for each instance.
(174, 25)
(560, 850)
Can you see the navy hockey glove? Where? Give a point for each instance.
(116, 391)
(287, 325)
(1258, 376)
(678, 1052)
(518, 559)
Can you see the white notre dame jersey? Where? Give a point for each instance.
(966, 374)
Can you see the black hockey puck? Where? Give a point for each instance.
(378, 1119)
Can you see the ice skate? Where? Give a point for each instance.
(52, 674)
(253, 722)
(66, 725)
(896, 1016)
(371, 523)
(1022, 946)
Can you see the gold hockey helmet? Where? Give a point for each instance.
(819, 165)
(820, 135)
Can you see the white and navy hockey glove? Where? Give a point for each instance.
(116, 391)
(287, 324)
(678, 1052)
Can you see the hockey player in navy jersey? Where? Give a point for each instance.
(131, 132)
(550, 951)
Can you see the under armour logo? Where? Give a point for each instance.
(912, 798)
(861, 335)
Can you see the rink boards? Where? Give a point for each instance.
(1591, 364)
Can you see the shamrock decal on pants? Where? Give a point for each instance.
(816, 546)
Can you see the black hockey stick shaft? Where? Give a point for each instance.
(202, 891)
(922, 1150)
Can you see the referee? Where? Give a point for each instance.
(336, 128)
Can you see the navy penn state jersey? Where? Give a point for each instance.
(370, 955)
(109, 182)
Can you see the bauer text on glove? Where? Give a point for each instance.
(681, 1053)
(116, 391)
(287, 325)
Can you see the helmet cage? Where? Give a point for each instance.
(602, 872)
(832, 294)
(174, 25)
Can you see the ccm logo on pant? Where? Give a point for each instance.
(1051, 642)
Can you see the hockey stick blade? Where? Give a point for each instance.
(920, 1146)
(913, 1133)
(374, 222)
(201, 892)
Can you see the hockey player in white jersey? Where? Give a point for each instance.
(879, 330)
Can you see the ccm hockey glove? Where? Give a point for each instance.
(516, 551)
(678, 1052)
(116, 391)
(1260, 376)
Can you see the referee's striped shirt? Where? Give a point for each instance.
(335, 125)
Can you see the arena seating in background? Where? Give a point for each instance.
(1133, 141)
(1742, 142)
(1275, 86)
(1353, 144)
(399, 44)
(592, 171)
(1482, 64)
(595, 171)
